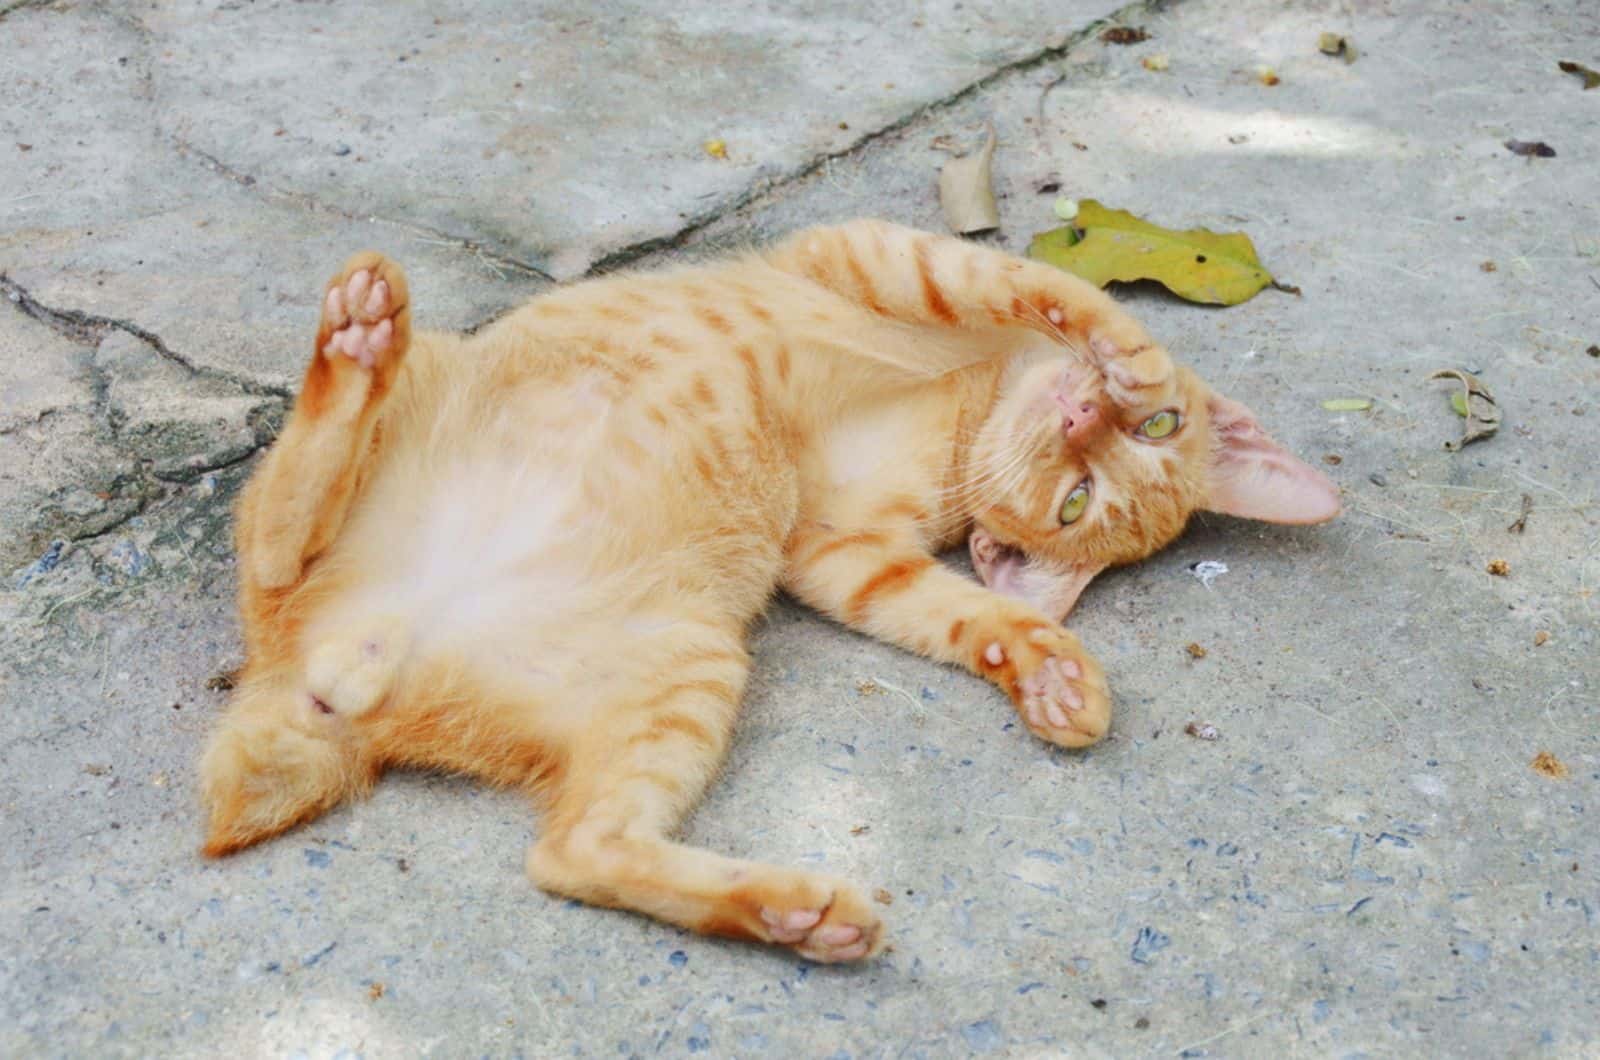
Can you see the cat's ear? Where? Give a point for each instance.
(1050, 586)
(1254, 477)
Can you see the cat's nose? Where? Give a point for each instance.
(1080, 421)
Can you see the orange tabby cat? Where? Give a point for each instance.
(532, 554)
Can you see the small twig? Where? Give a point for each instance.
(1226, 1031)
(1522, 520)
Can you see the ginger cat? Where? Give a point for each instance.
(531, 554)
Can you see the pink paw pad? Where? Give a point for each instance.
(792, 926)
(828, 943)
(358, 312)
(1049, 695)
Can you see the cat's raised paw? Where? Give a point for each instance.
(365, 313)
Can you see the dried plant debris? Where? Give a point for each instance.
(1203, 730)
(1522, 520)
(1102, 245)
(716, 148)
(1483, 415)
(1591, 79)
(1549, 765)
(1267, 76)
(1593, 351)
(1530, 148)
(1347, 404)
(1124, 35)
(1338, 47)
(1155, 63)
(966, 192)
(1499, 568)
(1195, 650)
(882, 896)
(1541, 637)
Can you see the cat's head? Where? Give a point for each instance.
(1084, 465)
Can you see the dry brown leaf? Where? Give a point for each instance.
(1337, 46)
(1530, 148)
(1499, 568)
(1124, 35)
(1548, 764)
(1541, 637)
(1196, 651)
(966, 193)
(1483, 415)
(1591, 79)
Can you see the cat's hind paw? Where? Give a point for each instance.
(846, 929)
(822, 919)
(366, 314)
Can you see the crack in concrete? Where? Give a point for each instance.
(145, 485)
(90, 328)
(494, 259)
(764, 190)
(18, 5)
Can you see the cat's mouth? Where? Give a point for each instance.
(998, 565)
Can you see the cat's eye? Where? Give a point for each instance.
(1072, 508)
(1161, 425)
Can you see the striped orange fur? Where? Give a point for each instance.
(532, 554)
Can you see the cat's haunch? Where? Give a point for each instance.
(532, 554)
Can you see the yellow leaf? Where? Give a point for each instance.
(1102, 245)
(716, 148)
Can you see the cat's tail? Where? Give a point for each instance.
(278, 759)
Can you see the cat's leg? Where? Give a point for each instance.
(629, 780)
(294, 505)
(941, 281)
(884, 584)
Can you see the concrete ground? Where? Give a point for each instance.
(1365, 863)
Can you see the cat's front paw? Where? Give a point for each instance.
(1058, 688)
(1140, 380)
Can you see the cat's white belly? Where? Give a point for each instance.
(487, 554)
